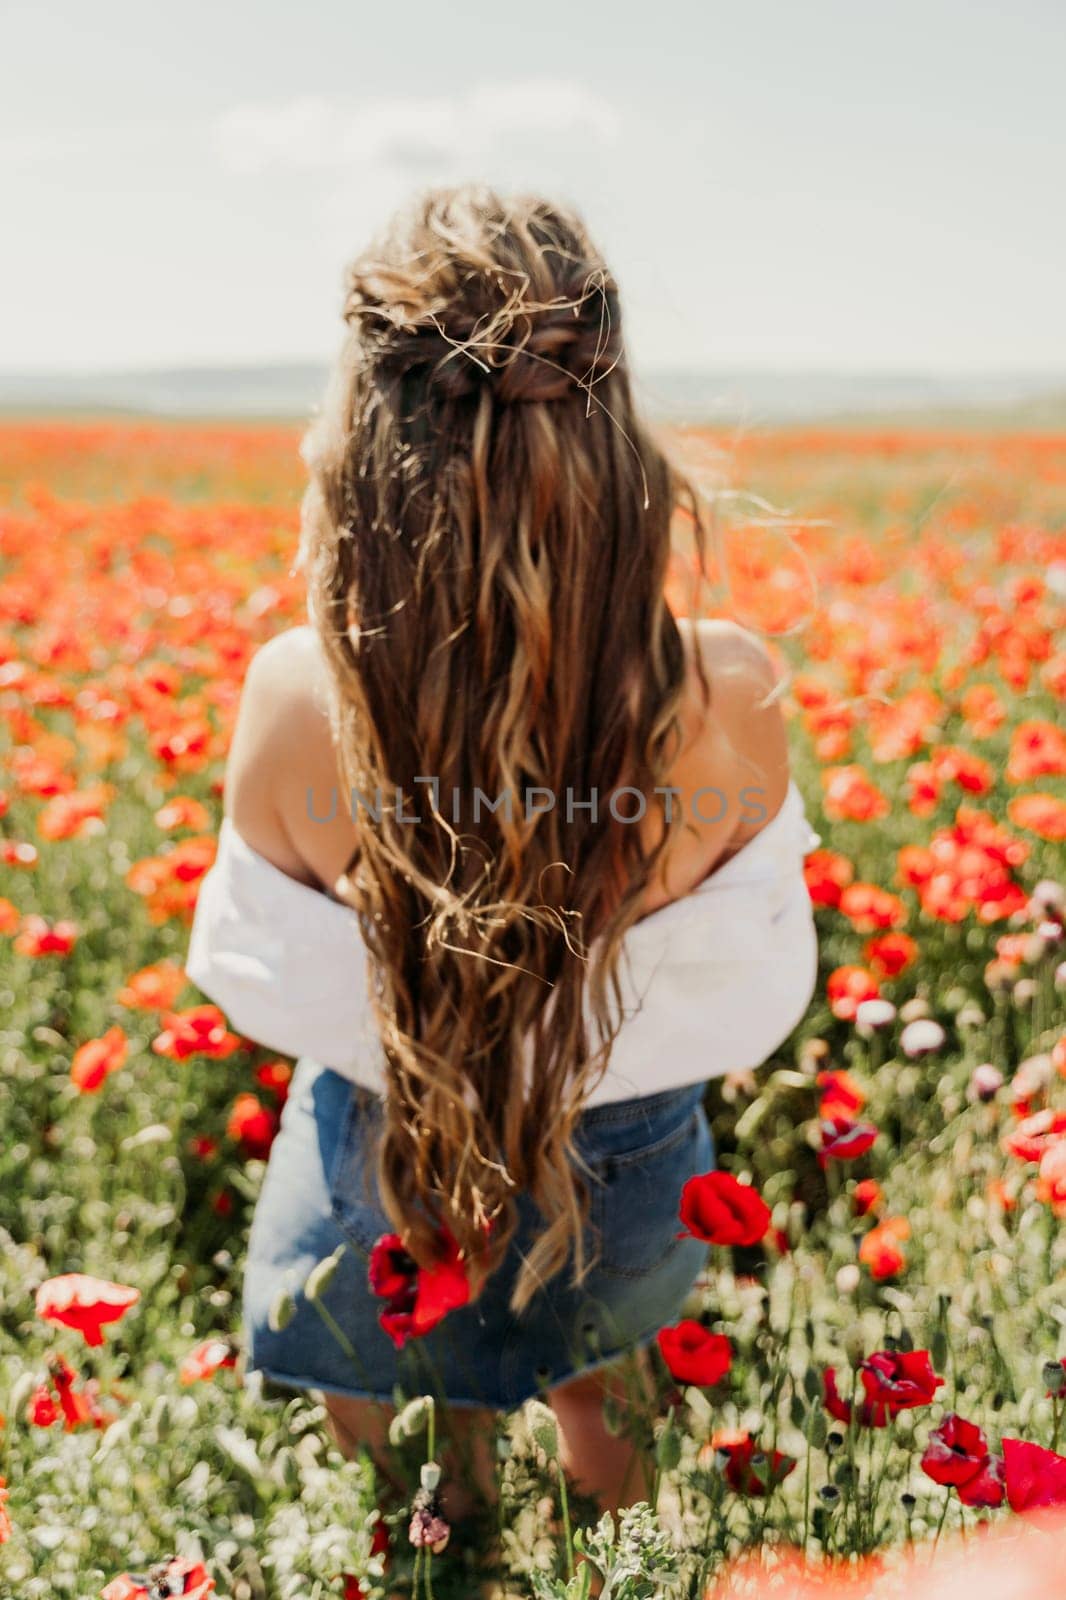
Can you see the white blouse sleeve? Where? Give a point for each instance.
(285, 962)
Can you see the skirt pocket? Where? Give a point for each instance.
(636, 1193)
(353, 1193)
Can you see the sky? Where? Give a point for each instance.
(829, 184)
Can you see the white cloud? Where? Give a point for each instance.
(412, 134)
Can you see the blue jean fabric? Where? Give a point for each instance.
(640, 1153)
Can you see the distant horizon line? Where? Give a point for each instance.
(712, 369)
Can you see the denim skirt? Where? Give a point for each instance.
(639, 1152)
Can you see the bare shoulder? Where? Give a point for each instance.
(745, 728)
(283, 789)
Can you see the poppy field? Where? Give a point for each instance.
(873, 1363)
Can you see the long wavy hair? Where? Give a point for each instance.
(486, 535)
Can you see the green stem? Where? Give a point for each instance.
(567, 1530)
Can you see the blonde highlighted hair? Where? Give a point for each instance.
(486, 535)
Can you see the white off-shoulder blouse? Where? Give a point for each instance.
(712, 983)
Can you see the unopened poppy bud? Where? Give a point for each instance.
(429, 1476)
(914, 1010)
(1048, 899)
(322, 1274)
(411, 1420)
(544, 1427)
(921, 1038)
(281, 1312)
(985, 1082)
(1000, 977)
(855, 1343)
(1054, 1375)
(872, 1015)
(1025, 991)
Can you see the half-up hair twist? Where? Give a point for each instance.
(486, 536)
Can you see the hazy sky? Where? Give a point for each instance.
(778, 183)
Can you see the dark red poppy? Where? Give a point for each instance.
(392, 1270)
(957, 1456)
(417, 1297)
(252, 1125)
(840, 1410)
(694, 1354)
(442, 1288)
(899, 1380)
(719, 1210)
(867, 1197)
(844, 1140)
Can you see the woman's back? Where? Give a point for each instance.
(287, 800)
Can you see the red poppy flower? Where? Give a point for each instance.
(899, 1380)
(442, 1288)
(890, 954)
(1035, 1478)
(840, 1410)
(880, 1250)
(1042, 814)
(94, 1061)
(9, 916)
(5, 1520)
(694, 1354)
(153, 988)
(200, 1031)
(827, 875)
(392, 1270)
(1035, 1135)
(71, 816)
(871, 909)
(957, 1454)
(275, 1076)
(953, 764)
(845, 1140)
(182, 811)
(749, 1470)
(1051, 1180)
(847, 987)
(717, 1209)
(78, 1301)
(850, 795)
(1037, 750)
(41, 938)
(41, 1408)
(207, 1358)
(252, 1125)
(841, 1095)
(867, 1197)
(417, 1298)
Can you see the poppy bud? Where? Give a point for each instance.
(322, 1274)
(282, 1312)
